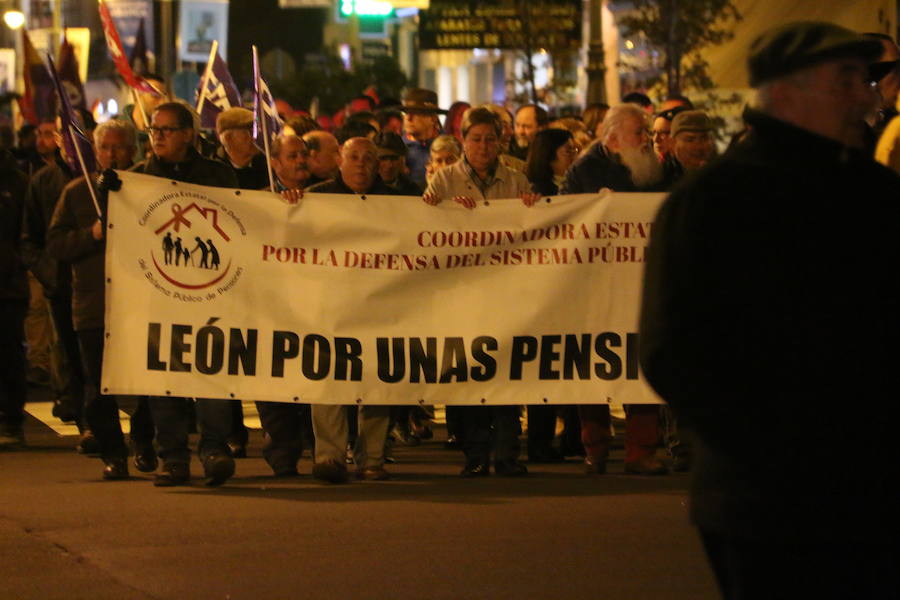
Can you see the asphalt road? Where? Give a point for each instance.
(65, 533)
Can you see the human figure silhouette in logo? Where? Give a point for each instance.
(214, 258)
(187, 257)
(204, 253)
(168, 246)
(177, 247)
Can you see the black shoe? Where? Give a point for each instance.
(510, 468)
(546, 455)
(115, 468)
(217, 468)
(172, 474)
(330, 471)
(237, 450)
(88, 444)
(145, 460)
(285, 472)
(475, 469)
(452, 443)
(594, 465)
(63, 412)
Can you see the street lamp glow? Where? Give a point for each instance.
(14, 18)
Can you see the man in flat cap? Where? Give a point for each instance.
(769, 324)
(392, 164)
(692, 145)
(420, 127)
(235, 130)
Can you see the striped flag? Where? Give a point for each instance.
(217, 90)
(267, 125)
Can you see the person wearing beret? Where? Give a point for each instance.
(770, 324)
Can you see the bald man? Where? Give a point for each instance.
(358, 171)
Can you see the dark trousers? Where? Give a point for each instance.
(541, 426)
(101, 412)
(286, 426)
(454, 421)
(13, 388)
(172, 418)
(239, 435)
(641, 429)
(824, 571)
(487, 427)
(73, 393)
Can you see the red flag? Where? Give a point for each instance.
(118, 55)
(39, 100)
(68, 75)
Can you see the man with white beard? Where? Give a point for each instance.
(622, 160)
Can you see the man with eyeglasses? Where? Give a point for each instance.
(661, 132)
(172, 138)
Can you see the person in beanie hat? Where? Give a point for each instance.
(752, 279)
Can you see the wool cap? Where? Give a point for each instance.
(794, 46)
(234, 118)
(691, 120)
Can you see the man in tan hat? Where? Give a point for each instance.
(767, 315)
(692, 139)
(420, 127)
(235, 130)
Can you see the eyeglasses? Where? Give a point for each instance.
(164, 131)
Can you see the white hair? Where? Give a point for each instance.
(126, 128)
(616, 118)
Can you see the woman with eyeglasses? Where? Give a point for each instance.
(549, 157)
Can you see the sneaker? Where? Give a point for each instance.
(217, 468)
(330, 471)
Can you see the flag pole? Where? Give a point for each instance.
(205, 81)
(137, 100)
(262, 117)
(84, 171)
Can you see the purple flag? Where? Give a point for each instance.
(218, 94)
(266, 117)
(78, 148)
(68, 75)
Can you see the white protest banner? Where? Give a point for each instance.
(219, 293)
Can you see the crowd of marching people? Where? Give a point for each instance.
(52, 266)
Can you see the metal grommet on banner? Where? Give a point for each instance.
(232, 395)
(422, 401)
(296, 399)
(545, 401)
(359, 400)
(237, 192)
(105, 390)
(547, 200)
(109, 225)
(174, 183)
(363, 197)
(483, 400)
(486, 203)
(107, 335)
(168, 393)
(108, 280)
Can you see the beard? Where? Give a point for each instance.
(646, 170)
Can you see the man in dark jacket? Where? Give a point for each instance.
(234, 128)
(358, 175)
(76, 238)
(13, 304)
(172, 138)
(770, 324)
(67, 377)
(392, 164)
(622, 160)
(358, 172)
